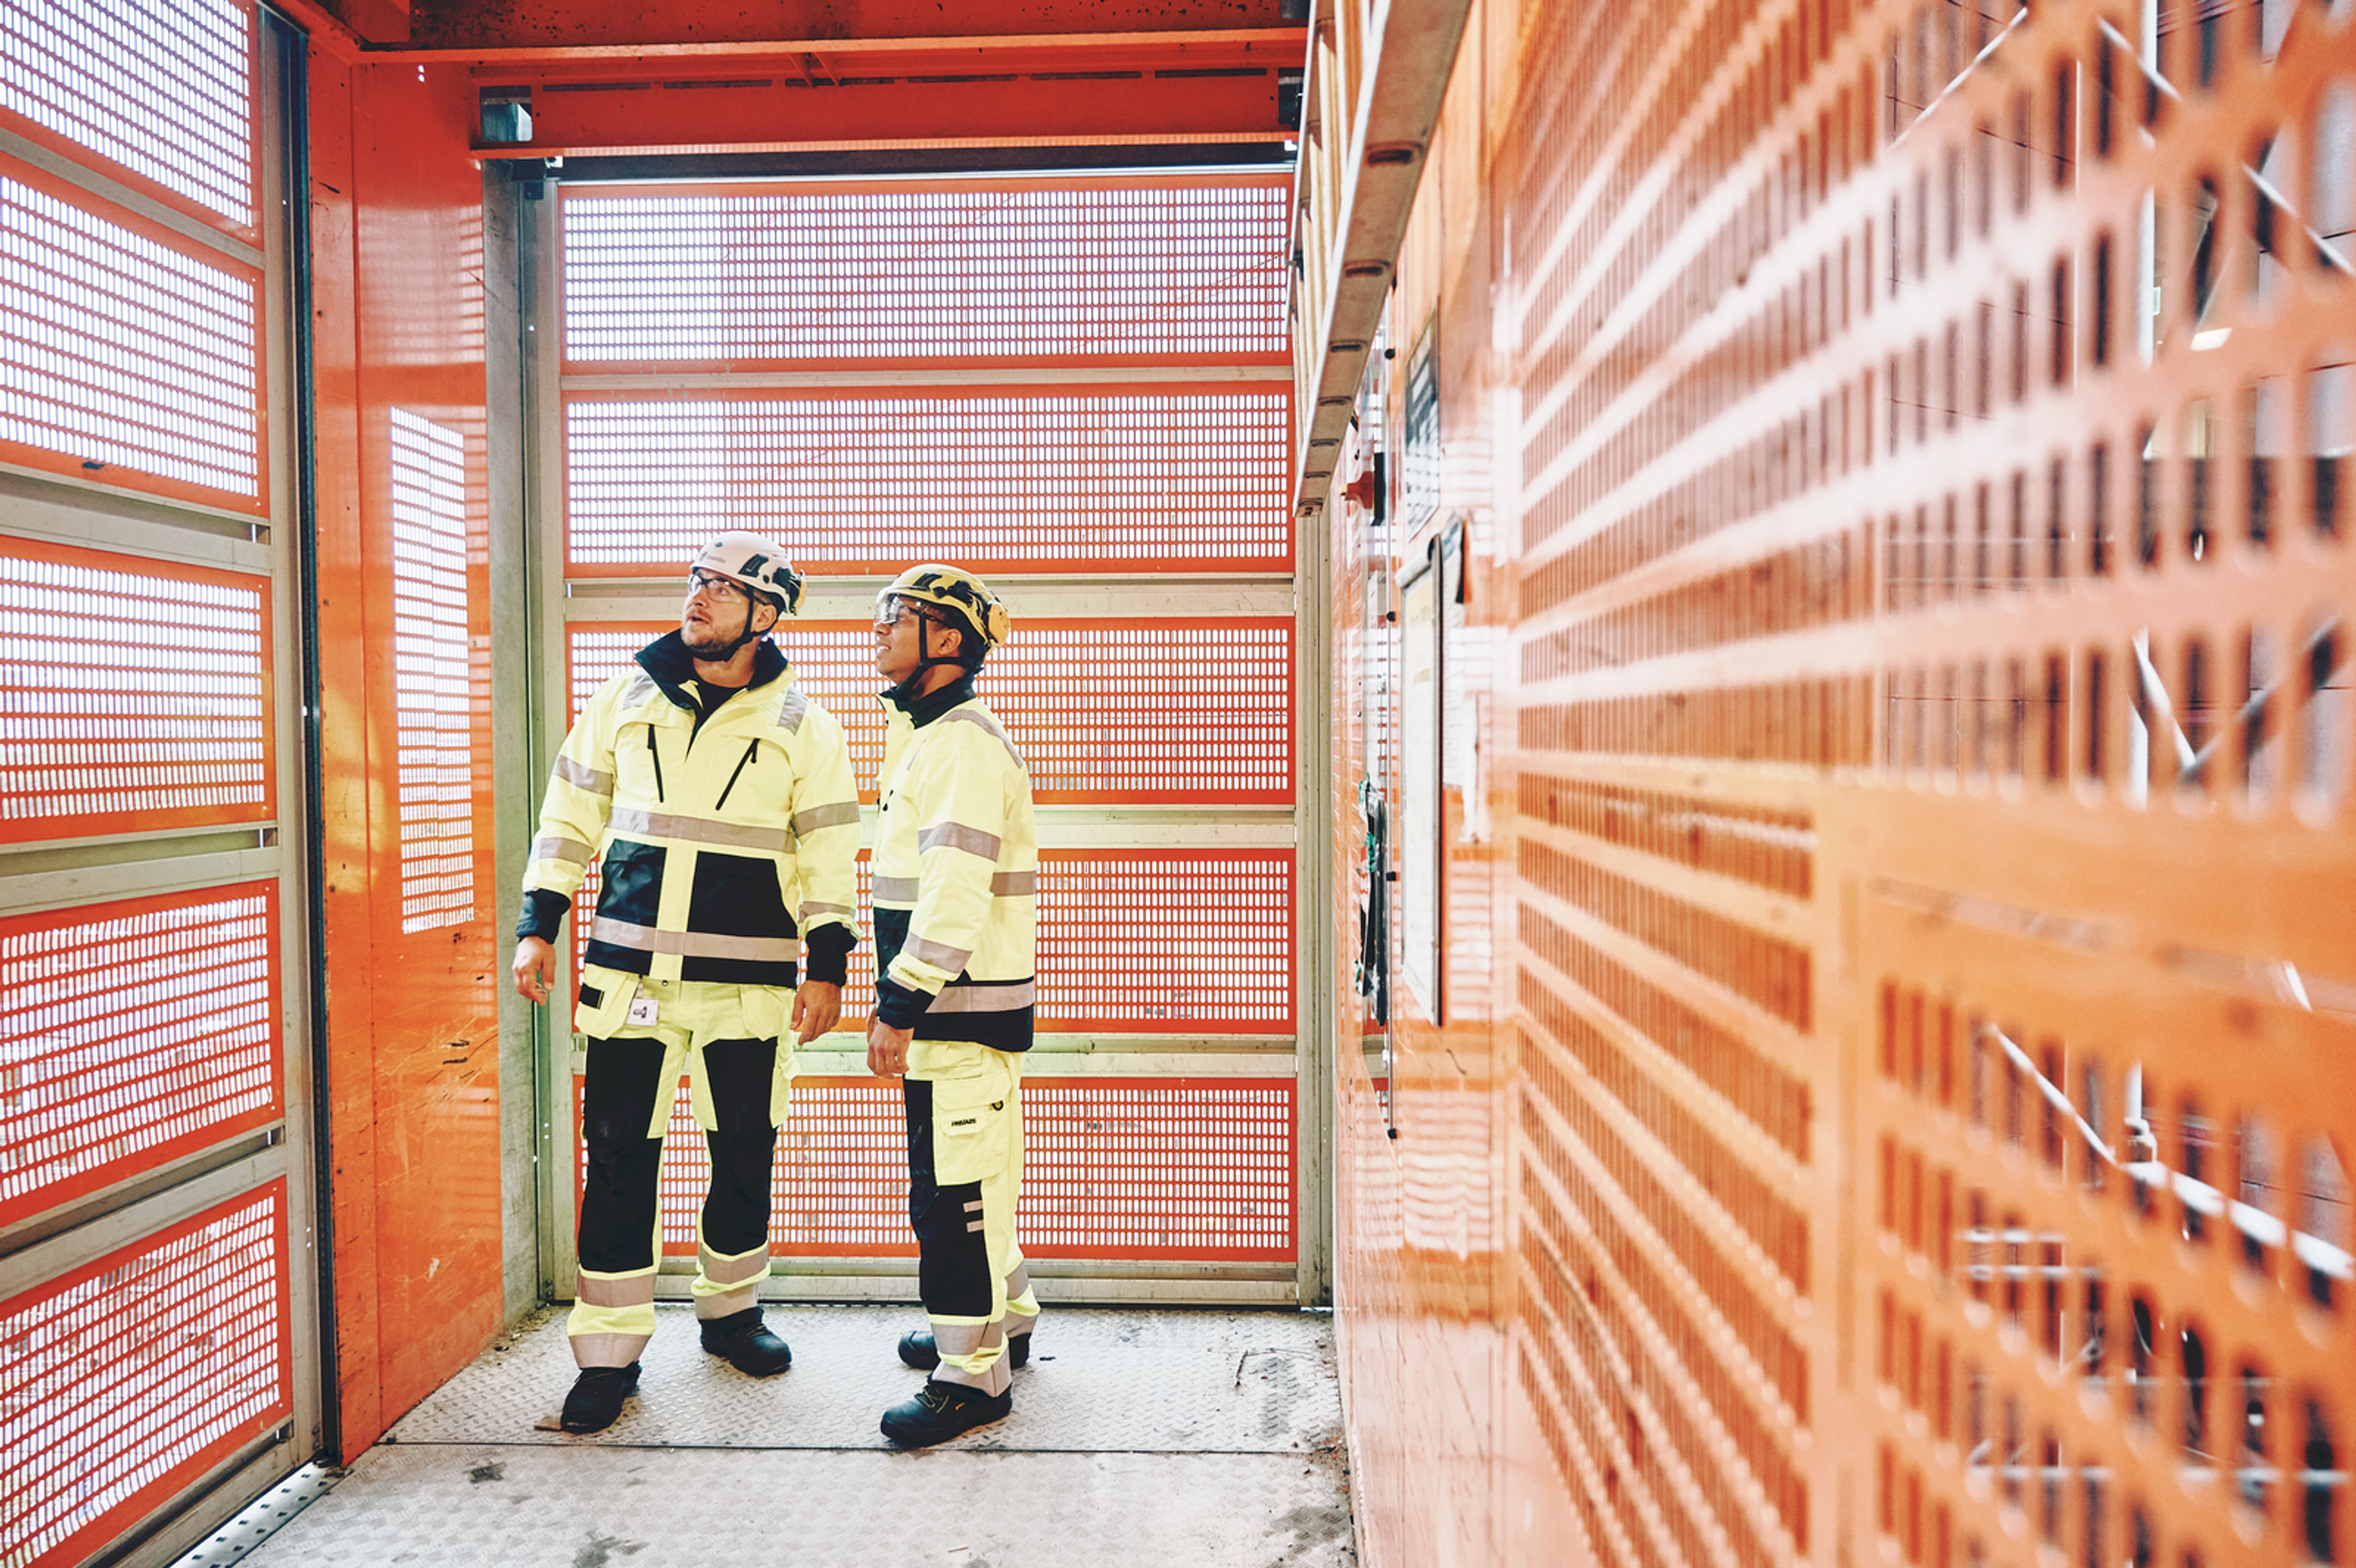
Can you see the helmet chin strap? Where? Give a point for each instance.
(748, 636)
(905, 691)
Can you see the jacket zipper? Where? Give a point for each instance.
(750, 747)
(657, 757)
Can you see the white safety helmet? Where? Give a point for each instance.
(756, 562)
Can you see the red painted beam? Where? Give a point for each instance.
(814, 106)
(475, 27)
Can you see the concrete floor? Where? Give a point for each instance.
(1138, 1437)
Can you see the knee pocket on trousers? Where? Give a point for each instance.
(972, 1119)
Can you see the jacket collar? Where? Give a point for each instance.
(923, 710)
(673, 666)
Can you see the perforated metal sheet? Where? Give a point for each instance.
(1175, 271)
(1928, 492)
(101, 1425)
(1129, 1167)
(131, 1032)
(162, 89)
(434, 676)
(1145, 479)
(98, 743)
(134, 355)
(1148, 711)
(1160, 941)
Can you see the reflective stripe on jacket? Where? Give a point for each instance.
(722, 844)
(956, 867)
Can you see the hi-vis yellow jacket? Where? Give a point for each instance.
(956, 869)
(727, 840)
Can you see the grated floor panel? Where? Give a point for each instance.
(1138, 1437)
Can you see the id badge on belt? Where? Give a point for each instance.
(644, 1010)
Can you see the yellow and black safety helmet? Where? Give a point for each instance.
(960, 596)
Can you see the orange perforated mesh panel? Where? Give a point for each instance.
(1132, 940)
(1928, 978)
(1123, 1167)
(133, 353)
(103, 1425)
(161, 89)
(99, 742)
(1167, 941)
(988, 270)
(1015, 479)
(132, 1032)
(1160, 711)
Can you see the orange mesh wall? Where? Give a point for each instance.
(133, 1032)
(159, 93)
(1916, 534)
(1194, 711)
(1013, 478)
(1129, 1167)
(135, 352)
(1170, 270)
(1132, 941)
(103, 1426)
(99, 744)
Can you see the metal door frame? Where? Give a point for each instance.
(536, 683)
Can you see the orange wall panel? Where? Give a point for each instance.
(1893, 1096)
(413, 1078)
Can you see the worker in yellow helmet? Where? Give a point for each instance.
(957, 921)
(721, 802)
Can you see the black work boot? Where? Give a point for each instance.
(747, 1343)
(918, 1350)
(942, 1411)
(596, 1402)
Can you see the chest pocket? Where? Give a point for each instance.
(649, 763)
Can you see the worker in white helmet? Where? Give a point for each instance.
(957, 921)
(720, 803)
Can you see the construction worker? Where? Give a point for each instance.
(956, 928)
(720, 800)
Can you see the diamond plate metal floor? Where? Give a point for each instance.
(1138, 1437)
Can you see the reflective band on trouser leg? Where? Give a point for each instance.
(972, 1353)
(1022, 1301)
(612, 1318)
(726, 1286)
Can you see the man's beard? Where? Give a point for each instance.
(710, 642)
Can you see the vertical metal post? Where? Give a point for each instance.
(291, 128)
(545, 709)
(1313, 912)
(510, 438)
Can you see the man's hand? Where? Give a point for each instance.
(535, 968)
(817, 1005)
(887, 1049)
